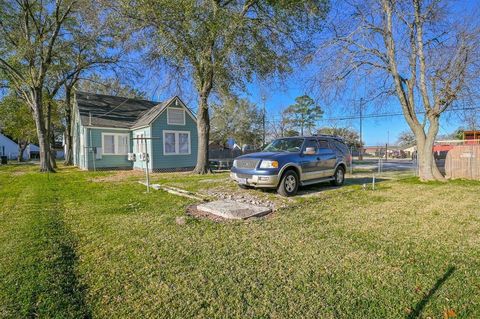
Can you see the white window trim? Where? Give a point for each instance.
(176, 108)
(177, 142)
(116, 143)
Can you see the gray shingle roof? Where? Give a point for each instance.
(114, 111)
(148, 116)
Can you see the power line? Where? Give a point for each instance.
(355, 117)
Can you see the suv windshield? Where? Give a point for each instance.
(285, 145)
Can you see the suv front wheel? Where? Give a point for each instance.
(339, 176)
(289, 184)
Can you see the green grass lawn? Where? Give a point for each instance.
(82, 244)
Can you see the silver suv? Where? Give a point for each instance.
(287, 163)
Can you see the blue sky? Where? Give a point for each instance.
(376, 131)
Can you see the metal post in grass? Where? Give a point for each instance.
(148, 175)
(373, 182)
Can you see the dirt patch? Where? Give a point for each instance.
(240, 196)
(119, 176)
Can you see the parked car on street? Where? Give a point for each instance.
(287, 163)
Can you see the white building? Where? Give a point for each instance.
(10, 149)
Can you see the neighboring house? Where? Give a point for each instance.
(10, 149)
(472, 137)
(371, 150)
(409, 151)
(107, 128)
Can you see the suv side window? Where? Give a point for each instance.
(323, 144)
(341, 147)
(311, 143)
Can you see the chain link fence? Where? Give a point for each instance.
(454, 158)
(222, 159)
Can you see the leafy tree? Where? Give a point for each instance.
(16, 122)
(351, 137)
(406, 139)
(44, 46)
(304, 114)
(223, 44)
(239, 119)
(30, 35)
(458, 134)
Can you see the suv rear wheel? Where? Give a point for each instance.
(289, 184)
(339, 176)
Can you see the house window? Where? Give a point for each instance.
(175, 116)
(176, 143)
(114, 144)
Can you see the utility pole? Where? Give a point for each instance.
(360, 154)
(263, 119)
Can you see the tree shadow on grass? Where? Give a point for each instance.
(417, 310)
(60, 292)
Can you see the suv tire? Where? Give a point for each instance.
(289, 184)
(339, 176)
(243, 186)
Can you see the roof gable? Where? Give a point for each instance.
(148, 117)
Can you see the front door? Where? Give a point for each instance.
(310, 162)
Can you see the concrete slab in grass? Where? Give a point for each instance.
(233, 210)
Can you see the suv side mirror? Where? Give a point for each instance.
(310, 151)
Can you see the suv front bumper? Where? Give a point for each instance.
(259, 181)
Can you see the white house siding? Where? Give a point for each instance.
(10, 149)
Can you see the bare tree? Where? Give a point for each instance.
(418, 51)
(280, 127)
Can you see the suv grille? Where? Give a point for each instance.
(247, 163)
(247, 176)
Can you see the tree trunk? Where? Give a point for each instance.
(51, 136)
(43, 142)
(21, 150)
(203, 127)
(427, 167)
(68, 128)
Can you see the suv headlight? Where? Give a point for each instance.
(234, 163)
(269, 164)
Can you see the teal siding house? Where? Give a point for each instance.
(111, 132)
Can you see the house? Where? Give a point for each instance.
(10, 149)
(410, 151)
(471, 137)
(371, 150)
(107, 128)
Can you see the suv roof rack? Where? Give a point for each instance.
(319, 135)
(329, 136)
